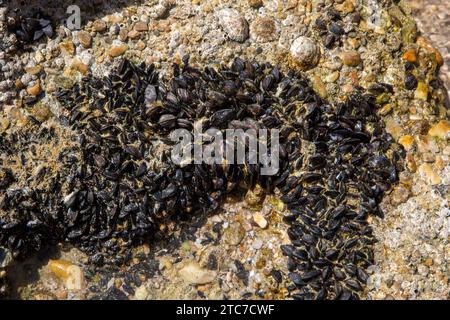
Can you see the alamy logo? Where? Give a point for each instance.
(230, 146)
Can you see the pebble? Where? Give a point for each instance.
(421, 92)
(193, 273)
(67, 47)
(305, 53)
(141, 26)
(410, 55)
(399, 195)
(255, 4)
(254, 197)
(406, 141)
(71, 274)
(234, 24)
(35, 89)
(424, 43)
(116, 51)
(99, 26)
(427, 170)
(5, 258)
(440, 130)
(263, 29)
(259, 219)
(141, 293)
(234, 234)
(85, 39)
(80, 66)
(351, 58)
(33, 70)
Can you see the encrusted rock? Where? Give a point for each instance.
(99, 26)
(305, 53)
(351, 58)
(263, 29)
(85, 39)
(234, 24)
(71, 274)
(193, 273)
(234, 234)
(117, 50)
(440, 129)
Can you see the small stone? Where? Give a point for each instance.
(399, 195)
(80, 66)
(99, 26)
(351, 58)
(421, 92)
(257, 244)
(35, 89)
(19, 84)
(346, 7)
(427, 170)
(85, 39)
(71, 274)
(141, 26)
(259, 219)
(410, 55)
(193, 273)
(67, 47)
(410, 81)
(305, 53)
(140, 45)
(6, 258)
(234, 234)
(4, 124)
(255, 197)
(263, 29)
(33, 70)
(440, 130)
(406, 141)
(234, 24)
(41, 112)
(429, 262)
(116, 51)
(422, 42)
(141, 293)
(255, 4)
(319, 86)
(133, 34)
(411, 163)
(332, 77)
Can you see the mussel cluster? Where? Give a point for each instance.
(336, 162)
(30, 29)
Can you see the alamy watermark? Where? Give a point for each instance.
(230, 146)
(73, 22)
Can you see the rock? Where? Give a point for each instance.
(116, 51)
(234, 24)
(423, 43)
(305, 53)
(346, 7)
(80, 66)
(71, 274)
(192, 273)
(406, 141)
(399, 195)
(410, 55)
(99, 26)
(429, 262)
(234, 234)
(427, 170)
(141, 26)
(19, 84)
(133, 34)
(141, 293)
(4, 124)
(33, 70)
(85, 39)
(263, 29)
(351, 58)
(35, 89)
(440, 130)
(255, 4)
(67, 47)
(421, 92)
(259, 219)
(255, 196)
